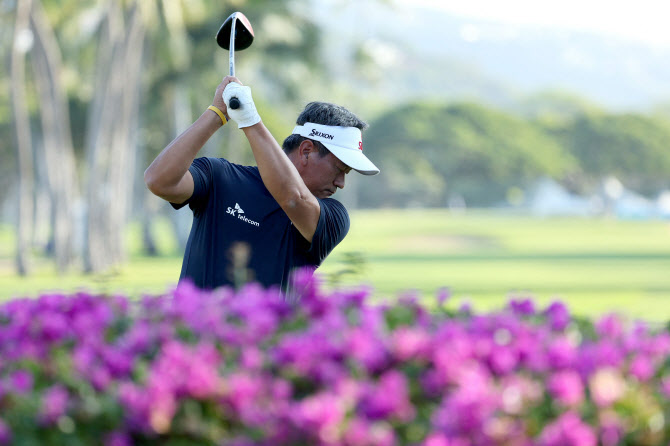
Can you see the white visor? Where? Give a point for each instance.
(343, 142)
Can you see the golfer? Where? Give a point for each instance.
(267, 220)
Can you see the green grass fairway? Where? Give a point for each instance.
(595, 265)
(484, 258)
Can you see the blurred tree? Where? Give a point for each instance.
(632, 147)
(111, 142)
(59, 157)
(21, 44)
(7, 125)
(555, 107)
(461, 150)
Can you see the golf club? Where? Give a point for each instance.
(236, 33)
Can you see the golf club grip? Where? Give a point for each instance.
(234, 103)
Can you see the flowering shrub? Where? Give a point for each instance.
(247, 368)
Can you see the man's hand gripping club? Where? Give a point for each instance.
(246, 115)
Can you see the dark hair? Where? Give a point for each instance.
(323, 113)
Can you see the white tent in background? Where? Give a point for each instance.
(632, 205)
(549, 198)
(624, 203)
(663, 204)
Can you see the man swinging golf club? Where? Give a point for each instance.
(281, 211)
(268, 220)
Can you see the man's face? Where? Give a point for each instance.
(324, 175)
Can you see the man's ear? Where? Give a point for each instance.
(306, 149)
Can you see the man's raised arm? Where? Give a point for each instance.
(168, 176)
(279, 174)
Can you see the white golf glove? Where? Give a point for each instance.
(246, 115)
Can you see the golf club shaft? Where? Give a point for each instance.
(234, 103)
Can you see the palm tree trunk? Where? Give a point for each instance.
(97, 146)
(126, 142)
(58, 148)
(25, 165)
(112, 138)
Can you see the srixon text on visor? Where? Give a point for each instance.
(320, 134)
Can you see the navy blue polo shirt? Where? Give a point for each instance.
(233, 211)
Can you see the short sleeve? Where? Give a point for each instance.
(331, 229)
(201, 171)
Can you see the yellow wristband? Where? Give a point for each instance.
(218, 112)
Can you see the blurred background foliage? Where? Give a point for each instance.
(102, 86)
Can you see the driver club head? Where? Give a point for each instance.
(244, 33)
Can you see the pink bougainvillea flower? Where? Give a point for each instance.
(610, 326)
(568, 430)
(606, 386)
(54, 403)
(21, 381)
(642, 367)
(558, 316)
(566, 387)
(251, 367)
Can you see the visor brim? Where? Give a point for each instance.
(354, 159)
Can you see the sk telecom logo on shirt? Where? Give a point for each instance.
(237, 212)
(237, 209)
